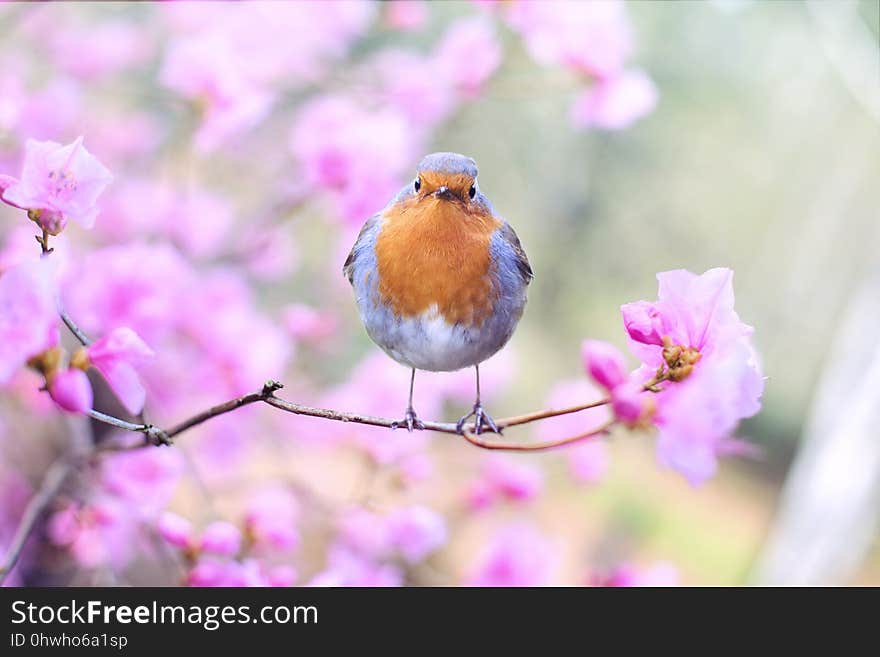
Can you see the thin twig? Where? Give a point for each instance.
(36, 507)
(476, 440)
(76, 330)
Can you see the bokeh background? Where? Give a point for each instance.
(248, 143)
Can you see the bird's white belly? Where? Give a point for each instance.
(429, 342)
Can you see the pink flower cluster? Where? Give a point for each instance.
(699, 363)
(594, 40)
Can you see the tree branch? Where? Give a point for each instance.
(36, 507)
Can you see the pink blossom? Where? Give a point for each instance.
(221, 538)
(145, 479)
(270, 520)
(211, 571)
(28, 315)
(176, 530)
(516, 556)
(99, 50)
(116, 356)
(416, 531)
(468, 54)
(721, 382)
(425, 99)
(61, 182)
(659, 574)
(615, 103)
(208, 70)
(95, 534)
(309, 324)
(346, 567)
(588, 462)
(593, 38)
(356, 155)
(512, 478)
(406, 15)
(629, 401)
(283, 575)
(366, 533)
(71, 390)
(604, 363)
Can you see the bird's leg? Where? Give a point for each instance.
(481, 418)
(410, 419)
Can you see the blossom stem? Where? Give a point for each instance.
(73, 328)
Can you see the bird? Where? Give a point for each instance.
(439, 277)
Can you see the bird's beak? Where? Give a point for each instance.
(443, 192)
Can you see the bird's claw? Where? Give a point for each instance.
(410, 420)
(482, 420)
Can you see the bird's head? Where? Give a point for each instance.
(447, 177)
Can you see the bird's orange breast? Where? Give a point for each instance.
(435, 252)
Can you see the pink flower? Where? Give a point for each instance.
(604, 363)
(588, 462)
(660, 574)
(270, 520)
(615, 103)
(629, 401)
(468, 55)
(209, 70)
(406, 15)
(176, 530)
(95, 534)
(71, 390)
(593, 38)
(356, 155)
(346, 567)
(517, 556)
(306, 323)
(513, 479)
(60, 182)
(715, 379)
(28, 315)
(425, 99)
(221, 538)
(115, 356)
(144, 478)
(416, 532)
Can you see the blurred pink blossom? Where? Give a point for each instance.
(143, 479)
(355, 154)
(604, 363)
(517, 555)
(346, 567)
(468, 55)
(588, 462)
(308, 324)
(659, 574)
(593, 38)
(271, 519)
(416, 531)
(28, 315)
(221, 538)
(616, 102)
(95, 534)
(176, 530)
(71, 390)
(508, 478)
(406, 15)
(61, 182)
(98, 50)
(117, 355)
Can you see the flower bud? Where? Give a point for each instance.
(604, 363)
(643, 322)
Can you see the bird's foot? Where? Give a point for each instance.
(410, 420)
(482, 420)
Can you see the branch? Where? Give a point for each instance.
(474, 439)
(36, 507)
(76, 330)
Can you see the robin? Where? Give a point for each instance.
(439, 278)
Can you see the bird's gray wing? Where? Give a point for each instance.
(508, 235)
(359, 244)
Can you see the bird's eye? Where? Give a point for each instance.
(472, 191)
(417, 185)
